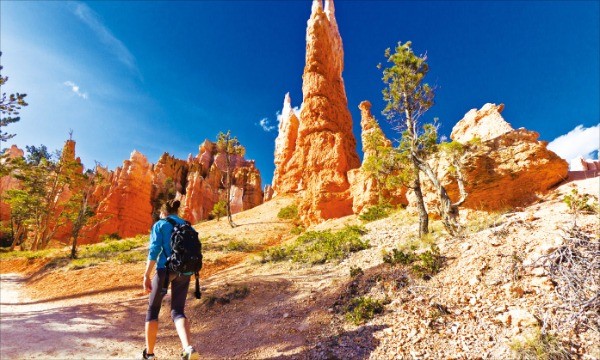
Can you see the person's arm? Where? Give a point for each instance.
(148, 275)
(153, 251)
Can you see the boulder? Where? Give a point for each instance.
(503, 168)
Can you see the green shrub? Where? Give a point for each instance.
(355, 271)
(288, 213)
(132, 257)
(362, 309)
(219, 210)
(580, 203)
(297, 230)
(110, 237)
(398, 257)
(423, 265)
(239, 245)
(317, 247)
(539, 346)
(375, 213)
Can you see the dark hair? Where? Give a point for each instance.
(171, 206)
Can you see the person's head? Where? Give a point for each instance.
(170, 208)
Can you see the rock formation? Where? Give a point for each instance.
(484, 124)
(206, 183)
(365, 188)
(126, 209)
(287, 175)
(325, 148)
(506, 168)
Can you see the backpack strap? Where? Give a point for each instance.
(166, 282)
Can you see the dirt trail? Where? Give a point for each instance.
(86, 327)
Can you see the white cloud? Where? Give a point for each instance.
(580, 141)
(265, 124)
(75, 88)
(116, 46)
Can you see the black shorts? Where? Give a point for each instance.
(179, 289)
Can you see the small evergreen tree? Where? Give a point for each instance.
(9, 108)
(408, 98)
(230, 146)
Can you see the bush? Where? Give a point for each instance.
(110, 237)
(317, 247)
(580, 203)
(288, 213)
(297, 230)
(239, 245)
(423, 265)
(355, 271)
(219, 210)
(539, 346)
(362, 309)
(375, 213)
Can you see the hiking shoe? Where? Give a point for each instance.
(189, 354)
(147, 356)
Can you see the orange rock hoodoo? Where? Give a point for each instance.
(324, 149)
(364, 186)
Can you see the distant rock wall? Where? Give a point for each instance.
(128, 199)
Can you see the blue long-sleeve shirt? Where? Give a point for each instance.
(160, 241)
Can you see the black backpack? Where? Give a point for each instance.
(186, 255)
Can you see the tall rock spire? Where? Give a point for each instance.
(285, 178)
(325, 148)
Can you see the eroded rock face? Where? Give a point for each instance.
(206, 183)
(365, 189)
(287, 173)
(484, 124)
(501, 172)
(126, 209)
(325, 147)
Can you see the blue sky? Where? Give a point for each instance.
(163, 76)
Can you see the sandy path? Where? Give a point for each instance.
(90, 327)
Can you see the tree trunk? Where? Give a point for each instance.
(448, 211)
(229, 218)
(423, 216)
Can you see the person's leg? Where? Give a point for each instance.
(154, 305)
(179, 290)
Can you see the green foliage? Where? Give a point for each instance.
(375, 213)
(362, 309)
(9, 108)
(297, 230)
(239, 245)
(355, 271)
(580, 203)
(317, 247)
(539, 346)
(219, 210)
(230, 146)
(399, 257)
(110, 237)
(424, 264)
(288, 213)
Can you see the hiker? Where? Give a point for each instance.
(159, 250)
